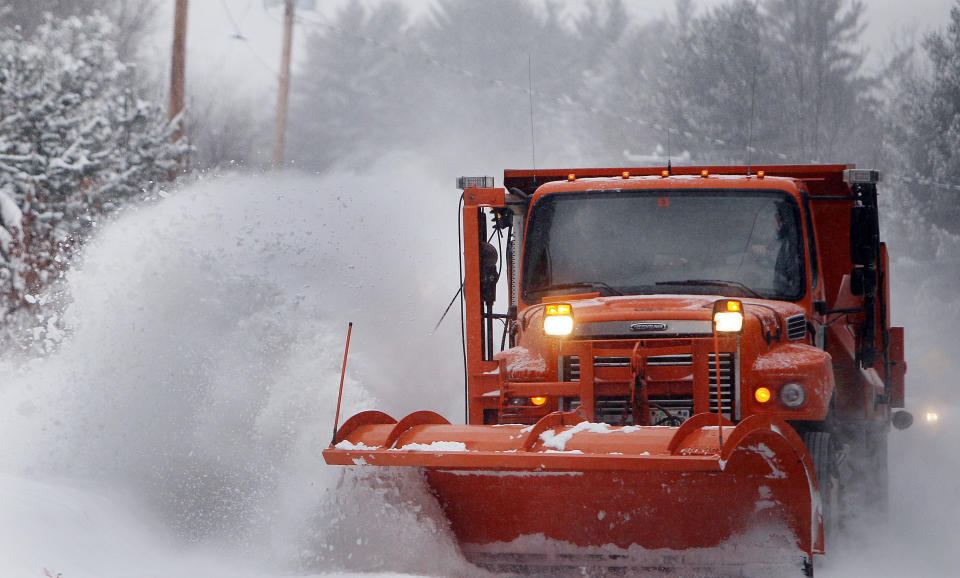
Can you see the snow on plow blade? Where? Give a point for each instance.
(566, 491)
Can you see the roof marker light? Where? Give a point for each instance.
(538, 400)
(571, 177)
(626, 174)
(474, 182)
(861, 176)
(704, 173)
(664, 174)
(760, 174)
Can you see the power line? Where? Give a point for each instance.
(240, 36)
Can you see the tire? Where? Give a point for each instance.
(821, 446)
(862, 472)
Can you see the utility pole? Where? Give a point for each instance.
(178, 65)
(284, 90)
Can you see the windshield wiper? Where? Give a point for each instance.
(717, 282)
(591, 284)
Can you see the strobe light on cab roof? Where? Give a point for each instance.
(558, 319)
(474, 182)
(728, 316)
(861, 176)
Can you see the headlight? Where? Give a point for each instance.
(792, 395)
(728, 316)
(526, 401)
(558, 319)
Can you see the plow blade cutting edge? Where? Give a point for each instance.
(566, 491)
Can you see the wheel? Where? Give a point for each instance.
(807, 567)
(862, 471)
(822, 448)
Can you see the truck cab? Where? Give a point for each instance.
(617, 275)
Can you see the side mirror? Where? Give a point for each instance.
(863, 281)
(902, 419)
(488, 272)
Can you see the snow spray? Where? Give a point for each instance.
(199, 333)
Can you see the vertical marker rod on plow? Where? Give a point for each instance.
(343, 372)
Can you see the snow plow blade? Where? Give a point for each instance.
(566, 492)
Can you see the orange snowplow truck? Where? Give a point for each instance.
(696, 369)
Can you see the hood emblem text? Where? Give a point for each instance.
(648, 326)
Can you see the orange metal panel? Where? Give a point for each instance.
(662, 487)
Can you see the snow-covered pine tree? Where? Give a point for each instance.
(76, 141)
(925, 127)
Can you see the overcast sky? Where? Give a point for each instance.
(235, 44)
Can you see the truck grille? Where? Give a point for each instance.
(613, 410)
(796, 327)
(727, 381)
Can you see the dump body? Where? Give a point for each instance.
(623, 416)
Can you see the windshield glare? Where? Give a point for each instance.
(735, 243)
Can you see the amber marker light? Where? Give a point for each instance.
(728, 316)
(558, 319)
(704, 173)
(762, 394)
(571, 177)
(538, 400)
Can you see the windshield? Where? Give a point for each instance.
(734, 243)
